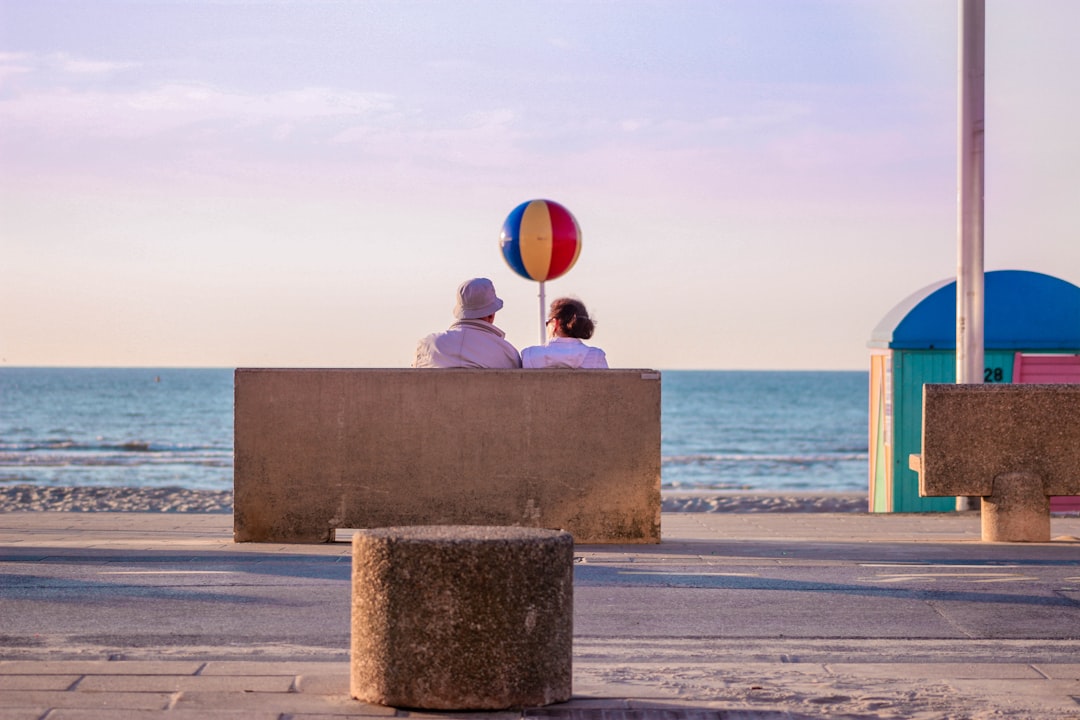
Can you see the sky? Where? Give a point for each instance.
(305, 184)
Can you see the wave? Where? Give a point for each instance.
(789, 459)
(224, 460)
(815, 470)
(130, 453)
(129, 446)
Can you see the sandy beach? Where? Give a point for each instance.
(179, 500)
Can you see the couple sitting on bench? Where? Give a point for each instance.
(474, 341)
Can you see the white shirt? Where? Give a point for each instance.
(467, 344)
(564, 352)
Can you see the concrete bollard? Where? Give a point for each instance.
(462, 617)
(1017, 511)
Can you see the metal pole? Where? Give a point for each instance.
(969, 271)
(543, 316)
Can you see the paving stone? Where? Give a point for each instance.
(280, 702)
(250, 667)
(100, 701)
(99, 667)
(364, 711)
(323, 684)
(28, 713)
(186, 683)
(614, 702)
(1059, 671)
(452, 715)
(37, 682)
(225, 714)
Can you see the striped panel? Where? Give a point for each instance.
(1046, 368)
(566, 240)
(534, 240)
(509, 241)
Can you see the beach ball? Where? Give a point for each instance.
(540, 240)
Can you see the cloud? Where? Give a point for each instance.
(82, 66)
(634, 124)
(481, 139)
(164, 108)
(14, 64)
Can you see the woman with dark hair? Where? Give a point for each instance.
(568, 324)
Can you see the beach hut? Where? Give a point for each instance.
(1031, 333)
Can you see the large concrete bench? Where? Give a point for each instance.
(318, 450)
(462, 618)
(1012, 445)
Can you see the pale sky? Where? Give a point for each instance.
(240, 183)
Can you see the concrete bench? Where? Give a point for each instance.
(1013, 445)
(574, 450)
(462, 618)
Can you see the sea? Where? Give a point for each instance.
(138, 427)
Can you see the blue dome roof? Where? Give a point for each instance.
(1023, 311)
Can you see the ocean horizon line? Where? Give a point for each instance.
(4, 366)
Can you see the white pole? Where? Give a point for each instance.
(969, 272)
(543, 316)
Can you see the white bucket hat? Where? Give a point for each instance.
(476, 299)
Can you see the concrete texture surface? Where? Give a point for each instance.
(317, 450)
(462, 617)
(974, 433)
(1013, 445)
(130, 615)
(1017, 510)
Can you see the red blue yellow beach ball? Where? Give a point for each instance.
(540, 240)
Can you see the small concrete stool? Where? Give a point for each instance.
(462, 617)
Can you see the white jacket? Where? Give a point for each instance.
(564, 352)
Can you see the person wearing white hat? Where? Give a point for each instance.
(473, 341)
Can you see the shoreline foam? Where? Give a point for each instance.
(44, 498)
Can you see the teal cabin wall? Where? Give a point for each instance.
(911, 370)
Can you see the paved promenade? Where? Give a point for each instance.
(757, 615)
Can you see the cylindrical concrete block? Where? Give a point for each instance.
(1018, 511)
(462, 617)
